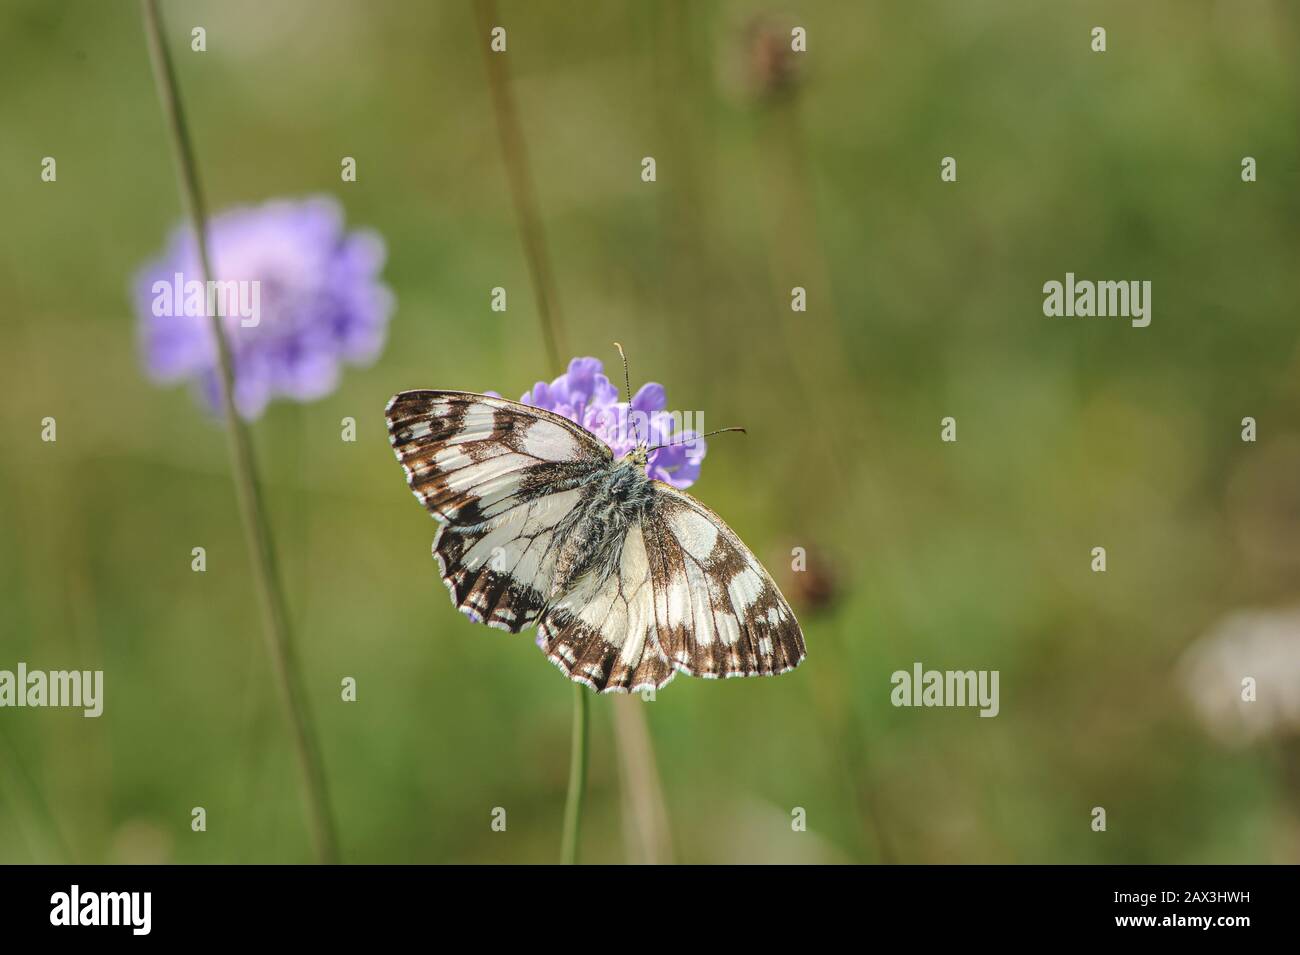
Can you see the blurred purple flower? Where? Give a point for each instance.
(299, 296)
(583, 394)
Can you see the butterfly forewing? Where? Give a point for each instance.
(468, 457)
(717, 610)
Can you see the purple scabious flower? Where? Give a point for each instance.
(298, 297)
(585, 395)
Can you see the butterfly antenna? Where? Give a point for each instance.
(627, 382)
(706, 434)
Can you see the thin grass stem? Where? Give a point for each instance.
(252, 508)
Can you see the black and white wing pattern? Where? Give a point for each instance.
(717, 609)
(687, 596)
(500, 476)
(629, 580)
(603, 631)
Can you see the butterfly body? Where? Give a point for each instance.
(628, 579)
(590, 539)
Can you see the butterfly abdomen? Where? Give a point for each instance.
(592, 541)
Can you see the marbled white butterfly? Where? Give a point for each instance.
(628, 579)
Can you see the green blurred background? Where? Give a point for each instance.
(924, 301)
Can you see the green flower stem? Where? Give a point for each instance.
(643, 804)
(577, 777)
(514, 153)
(252, 509)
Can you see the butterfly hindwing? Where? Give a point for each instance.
(500, 476)
(499, 571)
(603, 633)
(689, 596)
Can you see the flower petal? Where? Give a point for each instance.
(314, 287)
(650, 397)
